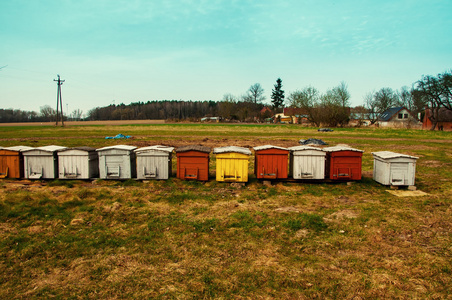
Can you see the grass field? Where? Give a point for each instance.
(183, 240)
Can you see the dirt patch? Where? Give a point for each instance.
(402, 193)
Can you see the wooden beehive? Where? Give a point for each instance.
(41, 162)
(307, 162)
(392, 168)
(193, 162)
(232, 163)
(271, 162)
(154, 162)
(117, 162)
(78, 163)
(343, 163)
(12, 162)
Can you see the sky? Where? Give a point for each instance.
(123, 51)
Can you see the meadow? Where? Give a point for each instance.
(188, 240)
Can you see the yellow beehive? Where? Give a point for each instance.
(232, 163)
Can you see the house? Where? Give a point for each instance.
(444, 119)
(398, 117)
(299, 115)
(283, 119)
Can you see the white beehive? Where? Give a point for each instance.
(154, 162)
(307, 162)
(78, 163)
(41, 162)
(117, 162)
(392, 168)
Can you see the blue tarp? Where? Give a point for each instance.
(117, 137)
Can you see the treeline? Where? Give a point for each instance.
(177, 110)
(17, 115)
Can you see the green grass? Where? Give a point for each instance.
(188, 240)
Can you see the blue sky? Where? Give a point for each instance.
(113, 51)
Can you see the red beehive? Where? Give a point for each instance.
(193, 162)
(343, 163)
(12, 162)
(271, 162)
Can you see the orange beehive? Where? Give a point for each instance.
(12, 162)
(343, 163)
(271, 162)
(193, 162)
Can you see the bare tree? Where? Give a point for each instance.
(308, 100)
(47, 112)
(255, 94)
(436, 92)
(77, 114)
(378, 102)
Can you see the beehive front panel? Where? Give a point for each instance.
(232, 167)
(309, 167)
(399, 174)
(73, 167)
(11, 164)
(118, 166)
(152, 167)
(271, 163)
(345, 165)
(41, 167)
(193, 165)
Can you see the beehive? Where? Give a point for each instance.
(154, 162)
(117, 162)
(307, 162)
(271, 162)
(343, 163)
(392, 168)
(12, 162)
(41, 162)
(232, 163)
(193, 162)
(78, 163)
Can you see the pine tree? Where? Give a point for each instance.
(278, 94)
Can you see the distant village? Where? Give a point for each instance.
(427, 105)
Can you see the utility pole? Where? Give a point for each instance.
(60, 100)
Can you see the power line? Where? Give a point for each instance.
(59, 84)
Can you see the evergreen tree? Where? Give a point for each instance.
(278, 94)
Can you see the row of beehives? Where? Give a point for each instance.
(155, 162)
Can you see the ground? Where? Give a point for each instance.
(184, 240)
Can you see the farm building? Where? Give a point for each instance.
(12, 162)
(343, 163)
(392, 168)
(154, 162)
(117, 162)
(398, 117)
(193, 162)
(307, 162)
(41, 162)
(271, 162)
(444, 119)
(78, 163)
(232, 163)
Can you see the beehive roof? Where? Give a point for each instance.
(265, 147)
(50, 148)
(193, 148)
(390, 154)
(155, 147)
(301, 148)
(19, 148)
(341, 148)
(232, 149)
(82, 148)
(118, 147)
